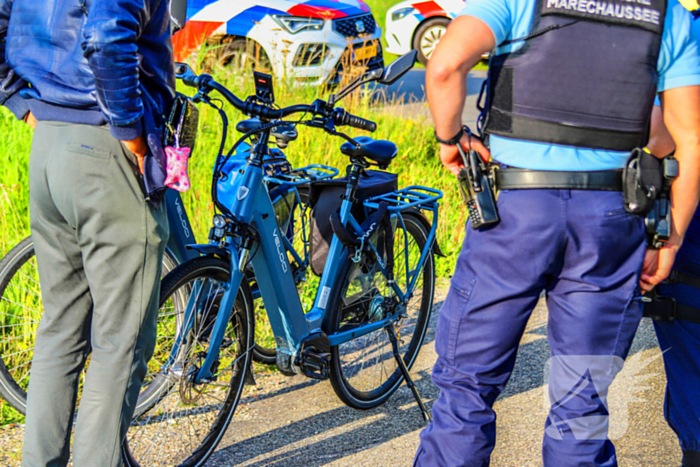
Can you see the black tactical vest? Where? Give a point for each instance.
(586, 76)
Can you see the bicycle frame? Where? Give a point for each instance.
(249, 203)
(181, 233)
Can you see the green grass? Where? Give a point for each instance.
(416, 164)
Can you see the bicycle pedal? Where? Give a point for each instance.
(315, 365)
(314, 357)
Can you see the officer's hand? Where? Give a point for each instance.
(30, 120)
(450, 157)
(657, 265)
(139, 148)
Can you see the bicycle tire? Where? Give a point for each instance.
(18, 281)
(360, 305)
(162, 420)
(263, 330)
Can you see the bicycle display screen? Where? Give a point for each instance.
(263, 87)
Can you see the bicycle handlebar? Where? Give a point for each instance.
(340, 117)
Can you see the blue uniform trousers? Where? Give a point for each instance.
(680, 342)
(586, 252)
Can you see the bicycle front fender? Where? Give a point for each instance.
(205, 250)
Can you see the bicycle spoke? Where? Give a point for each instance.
(29, 278)
(20, 366)
(17, 353)
(27, 291)
(21, 306)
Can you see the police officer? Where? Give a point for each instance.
(569, 95)
(679, 333)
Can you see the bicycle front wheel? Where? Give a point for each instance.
(177, 421)
(364, 372)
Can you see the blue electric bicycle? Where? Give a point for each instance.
(371, 310)
(20, 294)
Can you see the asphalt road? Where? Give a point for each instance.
(301, 423)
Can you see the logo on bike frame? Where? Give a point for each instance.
(183, 219)
(243, 192)
(280, 250)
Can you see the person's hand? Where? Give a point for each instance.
(139, 148)
(450, 157)
(30, 120)
(658, 264)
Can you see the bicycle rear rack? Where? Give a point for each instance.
(304, 175)
(406, 198)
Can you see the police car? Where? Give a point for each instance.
(312, 41)
(416, 24)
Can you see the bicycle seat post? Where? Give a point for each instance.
(357, 167)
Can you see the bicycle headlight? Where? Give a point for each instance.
(401, 13)
(295, 24)
(219, 221)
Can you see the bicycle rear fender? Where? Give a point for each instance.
(428, 225)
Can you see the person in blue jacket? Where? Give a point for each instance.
(569, 96)
(94, 77)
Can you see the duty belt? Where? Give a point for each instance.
(662, 308)
(517, 179)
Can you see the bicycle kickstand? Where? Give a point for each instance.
(409, 382)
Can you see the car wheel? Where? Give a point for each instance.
(237, 55)
(428, 36)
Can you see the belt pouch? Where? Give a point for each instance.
(659, 308)
(642, 182)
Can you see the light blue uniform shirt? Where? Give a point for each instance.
(678, 66)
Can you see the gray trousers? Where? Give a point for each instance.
(99, 247)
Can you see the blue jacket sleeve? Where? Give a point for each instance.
(110, 45)
(10, 83)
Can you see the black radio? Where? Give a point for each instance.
(477, 190)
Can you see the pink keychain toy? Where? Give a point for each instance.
(177, 159)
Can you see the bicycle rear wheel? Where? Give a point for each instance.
(21, 309)
(177, 421)
(364, 372)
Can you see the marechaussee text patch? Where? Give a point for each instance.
(644, 14)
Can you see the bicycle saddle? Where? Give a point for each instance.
(283, 133)
(379, 151)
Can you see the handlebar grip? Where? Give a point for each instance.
(361, 123)
(342, 117)
(190, 80)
